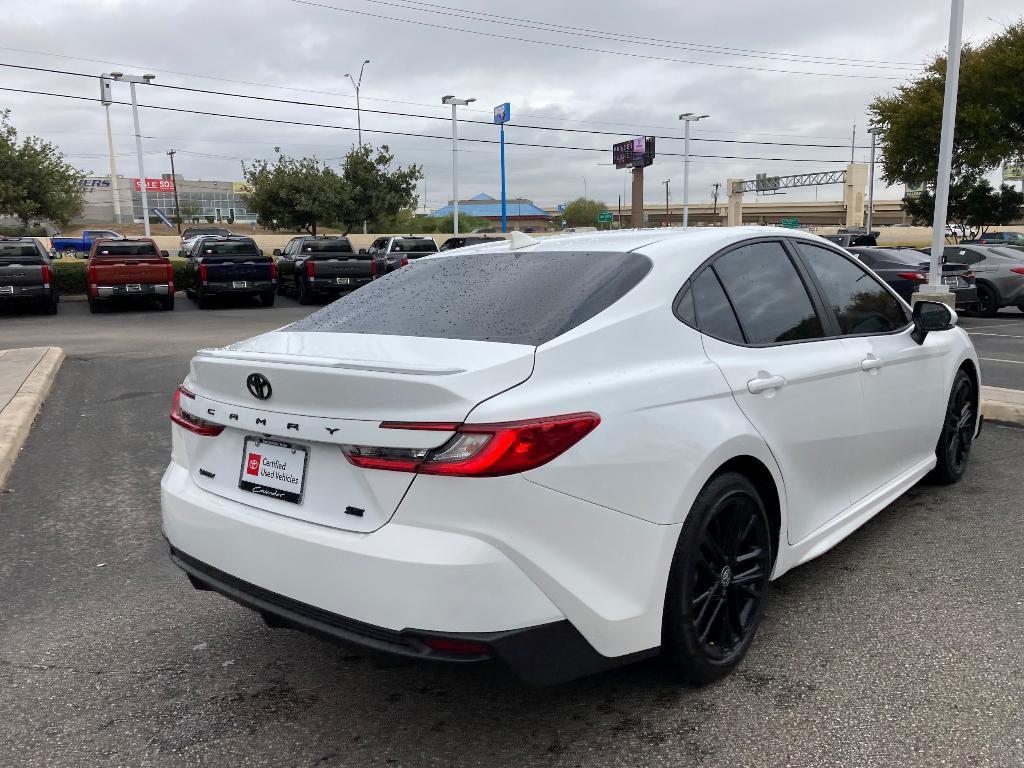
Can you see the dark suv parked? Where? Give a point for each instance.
(320, 267)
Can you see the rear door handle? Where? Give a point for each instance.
(764, 382)
(871, 364)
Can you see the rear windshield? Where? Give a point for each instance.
(205, 231)
(515, 298)
(338, 245)
(408, 245)
(231, 248)
(909, 257)
(126, 249)
(19, 253)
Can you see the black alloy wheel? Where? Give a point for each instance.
(954, 446)
(718, 584)
(988, 303)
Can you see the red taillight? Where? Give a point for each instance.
(1018, 270)
(480, 450)
(273, 270)
(373, 267)
(405, 262)
(170, 274)
(310, 272)
(46, 274)
(192, 423)
(203, 272)
(917, 277)
(968, 276)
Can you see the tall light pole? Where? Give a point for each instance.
(666, 182)
(455, 102)
(956, 25)
(174, 180)
(132, 80)
(106, 99)
(357, 84)
(871, 179)
(687, 117)
(585, 188)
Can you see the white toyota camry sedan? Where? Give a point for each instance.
(564, 454)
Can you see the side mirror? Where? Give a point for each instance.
(165, 254)
(277, 251)
(931, 316)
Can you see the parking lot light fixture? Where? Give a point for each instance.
(455, 102)
(687, 118)
(357, 84)
(132, 80)
(871, 179)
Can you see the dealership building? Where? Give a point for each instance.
(200, 200)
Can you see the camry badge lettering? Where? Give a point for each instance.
(259, 386)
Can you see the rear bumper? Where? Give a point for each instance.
(965, 297)
(26, 292)
(547, 654)
(330, 285)
(252, 286)
(144, 289)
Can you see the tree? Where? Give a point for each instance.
(974, 206)
(375, 192)
(294, 193)
(989, 120)
(583, 213)
(35, 181)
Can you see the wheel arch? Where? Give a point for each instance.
(758, 473)
(981, 281)
(971, 369)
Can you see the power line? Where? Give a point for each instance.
(542, 26)
(585, 49)
(293, 102)
(279, 121)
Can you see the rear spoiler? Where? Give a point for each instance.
(329, 362)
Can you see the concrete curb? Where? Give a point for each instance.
(999, 404)
(17, 416)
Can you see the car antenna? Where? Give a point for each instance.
(521, 240)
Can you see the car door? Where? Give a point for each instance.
(902, 381)
(797, 387)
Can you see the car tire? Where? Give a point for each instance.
(49, 306)
(305, 295)
(957, 436)
(190, 294)
(718, 582)
(166, 303)
(203, 301)
(267, 298)
(988, 301)
(95, 306)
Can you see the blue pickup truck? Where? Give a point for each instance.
(79, 247)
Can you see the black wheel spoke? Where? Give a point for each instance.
(703, 598)
(751, 555)
(749, 576)
(711, 619)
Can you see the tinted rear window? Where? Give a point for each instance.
(205, 231)
(230, 248)
(516, 298)
(19, 253)
(126, 249)
(909, 256)
(338, 245)
(423, 245)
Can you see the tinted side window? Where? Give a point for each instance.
(961, 256)
(770, 298)
(714, 314)
(860, 303)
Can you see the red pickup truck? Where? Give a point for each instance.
(129, 269)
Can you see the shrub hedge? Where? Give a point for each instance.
(70, 275)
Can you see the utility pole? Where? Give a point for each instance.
(357, 84)
(853, 141)
(455, 102)
(174, 179)
(716, 185)
(106, 100)
(666, 182)
(687, 118)
(620, 211)
(871, 179)
(937, 290)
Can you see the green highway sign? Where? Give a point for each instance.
(791, 223)
(605, 216)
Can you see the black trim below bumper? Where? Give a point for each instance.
(543, 655)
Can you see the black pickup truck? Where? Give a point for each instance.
(321, 267)
(25, 274)
(229, 266)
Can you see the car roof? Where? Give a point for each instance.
(16, 238)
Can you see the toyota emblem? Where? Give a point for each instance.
(259, 386)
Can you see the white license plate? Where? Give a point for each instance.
(273, 468)
(950, 280)
(6, 289)
(133, 288)
(343, 280)
(239, 284)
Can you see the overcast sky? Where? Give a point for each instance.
(705, 58)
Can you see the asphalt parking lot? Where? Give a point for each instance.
(899, 647)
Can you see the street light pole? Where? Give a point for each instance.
(871, 179)
(455, 154)
(106, 100)
(687, 118)
(174, 180)
(666, 183)
(357, 84)
(956, 24)
(132, 80)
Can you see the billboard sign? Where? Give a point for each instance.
(241, 187)
(765, 183)
(155, 185)
(95, 183)
(635, 153)
(502, 113)
(914, 190)
(1013, 172)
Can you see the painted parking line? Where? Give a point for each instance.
(1000, 335)
(997, 360)
(970, 328)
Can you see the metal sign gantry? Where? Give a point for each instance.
(765, 183)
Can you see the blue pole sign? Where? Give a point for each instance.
(502, 114)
